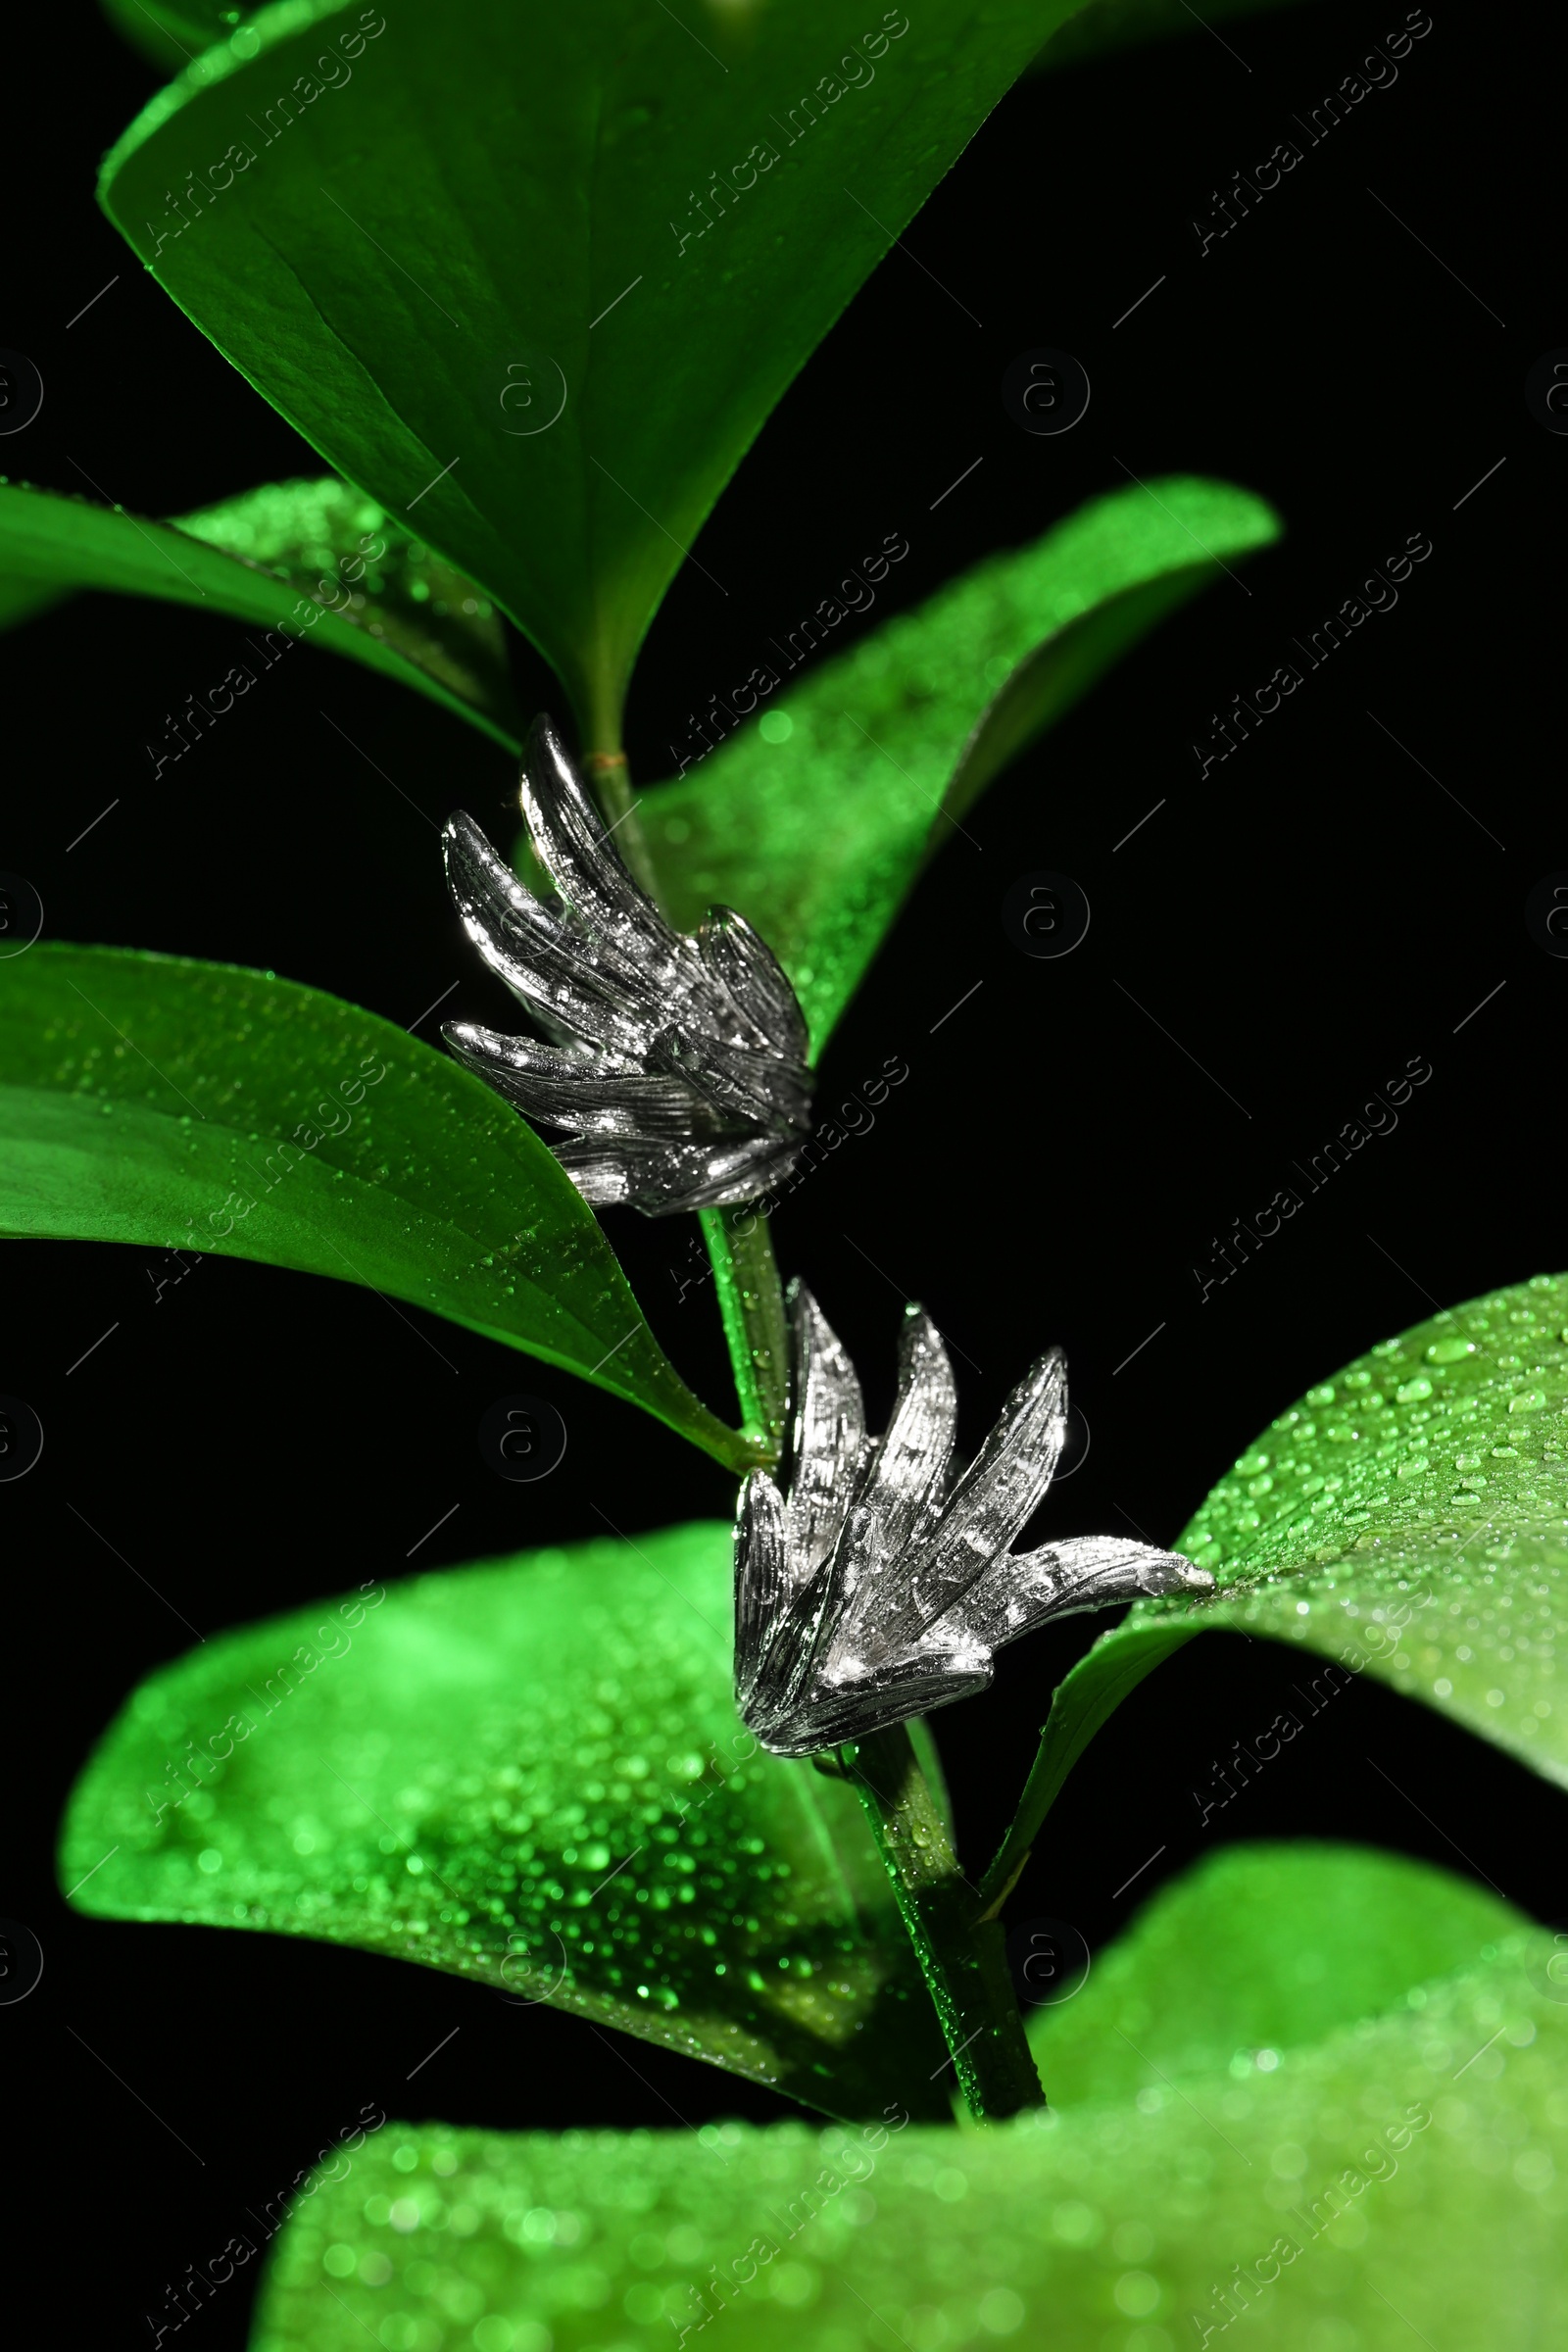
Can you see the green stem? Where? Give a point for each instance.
(963, 1959)
(611, 778)
(751, 1303)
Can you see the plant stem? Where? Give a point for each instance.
(751, 1303)
(961, 1958)
(611, 778)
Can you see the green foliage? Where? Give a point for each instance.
(818, 838)
(529, 1773)
(172, 32)
(1395, 2175)
(1405, 1518)
(1268, 1946)
(497, 268)
(374, 224)
(308, 559)
(155, 1100)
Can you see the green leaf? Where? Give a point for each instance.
(1108, 25)
(1260, 1947)
(155, 1100)
(817, 839)
(529, 1773)
(374, 226)
(1405, 1518)
(172, 35)
(305, 558)
(1082, 1703)
(1392, 2183)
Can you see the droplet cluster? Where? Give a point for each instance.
(1414, 2196)
(1410, 1516)
(344, 551)
(529, 1774)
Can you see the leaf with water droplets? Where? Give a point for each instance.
(815, 820)
(1408, 1518)
(1260, 1946)
(155, 1100)
(529, 1773)
(307, 563)
(1348, 2190)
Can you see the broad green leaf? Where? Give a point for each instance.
(187, 1106)
(376, 217)
(1395, 2183)
(529, 1773)
(1108, 25)
(816, 838)
(1260, 1947)
(301, 560)
(1406, 1519)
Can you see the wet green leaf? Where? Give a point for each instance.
(1390, 2184)
(1260, 1947)
(376, 217)
(313, 562)
(155, 1100)
(1408, 1519)
(529, 1773)
(816, 830)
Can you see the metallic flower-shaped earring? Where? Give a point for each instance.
(676, 1065)
(874, 1585)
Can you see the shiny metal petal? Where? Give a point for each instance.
(989, 1506)
(763, 1576)
(1023, 1589)
(888, 1594)
(548, 963)
(680, 1063)
(826, 1431)
(900, 1501)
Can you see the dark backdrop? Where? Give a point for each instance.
(1279, 939)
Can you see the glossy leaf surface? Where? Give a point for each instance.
(1408, 1518)
(378, 219)
(817, 837)
(1268, 1946)
(155, 1100)
(1398, 2175)
(529, 1773)
(312, 561)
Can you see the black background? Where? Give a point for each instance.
(1314, 912)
